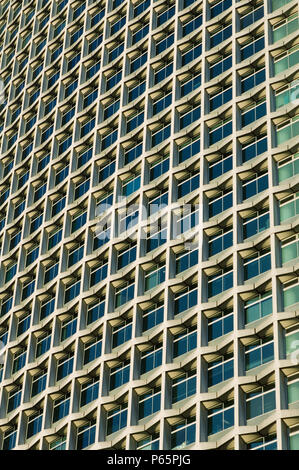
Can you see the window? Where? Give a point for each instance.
(76, 35)
(117, 418)
(285, 27)
(137, 62)
(189, 116)
(95, 311)
(290, 293)
(220, 98)
(154, 277)
(253, 114)
(43, 344)
(47, 307)
(65, 366)
(81, 188)
(10, 272)
(185, 341)
(220, 370)
(220, 417)
(106, 171)
(293, 391)
(136, 90)
(124, 294)
(92, 350)
(142, 6)
(89, 391)
(151, 360)
(256, 224)
(158, 136)
(220, 131)
(75, 255)
(140, 34)
(254, 15)
(192, 25)
(39, 382)
(258, 353)
(113, 80)
(23, 323)
(34, 425)
(260, 401)
(134, 121)
(111, 108)
(255, 185)
(119, 375)
(108, 139)
(190, 84)
(264, 443)
(27, 289)
(86, 435)
(253, 79)
(121, 333)
(90, 98)
(61, 408)
(289, 249)
(9, 439)
(149, 403)
(87, 127)
(220, 325)
(256, 147)
(183, 433)
(163, 72)
(288, 167)
(221, 241)
(72, 291)
(14, 398)
(68, 328)
(164, 43)
(219, 66)
(78, 220)
(185, 300)
(194, 52)
(152, 317)
(220, 203)
(285, 60)
(186, 260)
(257, 264)
(115, 52)
(183, 386)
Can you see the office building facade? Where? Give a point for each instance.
(149, 276)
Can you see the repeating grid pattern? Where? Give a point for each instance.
(149, 225)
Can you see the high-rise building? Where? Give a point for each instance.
(149, 276)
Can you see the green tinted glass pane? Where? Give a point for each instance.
(291, 296)
(266, 307)
(284, 134)
(294, 58)
(289, 252)
(292, 342)
(293, 392)
(294, 442)
(295, 128)
(281, 65)
(285, 172)
(252, 313)
(287, 211)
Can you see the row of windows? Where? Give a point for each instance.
(248, 184)
(253, 13)
(134, 117)
(119, 333)
(256, 352)
(259, 401)
(250, 263)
